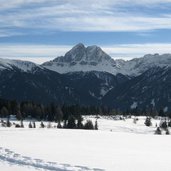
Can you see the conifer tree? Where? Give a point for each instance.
(4, 112)
(163, 124)
(30, 125)
(59, 125)
(96, 125)
(22, 125)
(42, 125)
(8, 122)
(169, 123)
(71, 122)
(88, 125)
(167, 131)
(158, 131)
(148, 121)
(79, 122)
(161, 112)
(34, 125)
(58, 114)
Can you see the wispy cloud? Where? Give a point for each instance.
(19, 50)
(90, 15)
(129, 51)
(11, 4)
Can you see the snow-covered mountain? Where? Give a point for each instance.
(25, 66)
(138, 66)
(88, 76)
(93, 58)
(81, 58)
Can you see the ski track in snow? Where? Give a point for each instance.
(12, 158)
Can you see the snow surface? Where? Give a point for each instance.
(117, 145)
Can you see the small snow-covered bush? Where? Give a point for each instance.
(163, 125)
(17, 126)
(148, 121)
(88, 125)
(42, 125)
(167, 131)
(169, 123)
(59, 125)
(30, 125)
(158, 131)
(135, 120)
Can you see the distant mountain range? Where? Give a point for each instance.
(89, 76)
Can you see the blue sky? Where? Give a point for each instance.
(40, 30)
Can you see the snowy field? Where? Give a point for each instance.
(118, 145)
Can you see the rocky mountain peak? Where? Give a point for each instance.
(81, 53)
(81, 58)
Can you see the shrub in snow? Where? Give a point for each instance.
(79, 123)
(169, 123)
(30, 125)
(59, 125)
(96, 125)
(8, 123)
(34, 125)
(42, 125)
(163, 125)
(3, 124)
(135, 120)
(158, 131)
(88, 125)
(4, 111)
(148, 121)
(167, 131)
(17, 126)
(22, 125)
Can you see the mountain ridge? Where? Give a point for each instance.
(10, 64)
(92, 58)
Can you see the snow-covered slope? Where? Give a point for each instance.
(81, 58)
(138, 66)
(24, 66)
(119, 145)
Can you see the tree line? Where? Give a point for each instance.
(49, 112)
(56, 112)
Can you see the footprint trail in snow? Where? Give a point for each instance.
(13, 158)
